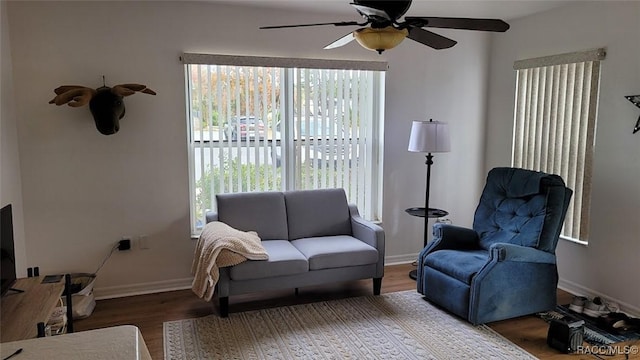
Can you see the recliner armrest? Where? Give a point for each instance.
(518, 253)
(447, 236)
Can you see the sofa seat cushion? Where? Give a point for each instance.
(460, 265)
(335, 251)
(284, 259)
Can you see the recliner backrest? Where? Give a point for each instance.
(521, 207)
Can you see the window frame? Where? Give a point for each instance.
(556, 101)
(289, 64)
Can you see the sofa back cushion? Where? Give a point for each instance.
(321, 212)
(262, 212)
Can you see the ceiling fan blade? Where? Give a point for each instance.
(341, 42)
(496, 25)
(372, 12)
(429, 38)
(344, 23)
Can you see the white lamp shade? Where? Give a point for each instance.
(429, 137)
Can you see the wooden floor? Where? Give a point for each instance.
(148, 312)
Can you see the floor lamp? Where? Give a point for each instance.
(428, 137)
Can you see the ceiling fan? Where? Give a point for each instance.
(385, 31)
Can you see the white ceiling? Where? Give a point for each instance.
(499, 9)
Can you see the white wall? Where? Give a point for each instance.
(608, 266)
(83, 190)
(10, 184)
(448, 86)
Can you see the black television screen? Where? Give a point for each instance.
(8, 257)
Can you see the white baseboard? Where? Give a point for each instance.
(111, 292)
(400, 259)
(577, 289)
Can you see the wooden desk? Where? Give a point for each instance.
(21, 312)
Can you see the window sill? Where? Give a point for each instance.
(575, 241)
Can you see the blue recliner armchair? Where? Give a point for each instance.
(506, 265)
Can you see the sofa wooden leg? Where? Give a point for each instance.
(224, 307)
(377, 284)
(296, 291)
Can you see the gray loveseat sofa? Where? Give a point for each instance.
(312, 237)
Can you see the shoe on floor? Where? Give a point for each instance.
(613, 321)
(577, 305)
(596, 307)
(627, 324)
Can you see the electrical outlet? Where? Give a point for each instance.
(124, 244)
(143, 242)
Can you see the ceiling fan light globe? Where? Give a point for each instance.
(380, 39)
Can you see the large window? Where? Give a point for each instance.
(259, 124)
(555, 123)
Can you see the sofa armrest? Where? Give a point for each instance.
(370, 233)
(518, 253)
(365, 230)
(211, 216)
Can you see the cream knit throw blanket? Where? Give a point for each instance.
(221, 245)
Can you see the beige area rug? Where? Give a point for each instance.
(397, 325)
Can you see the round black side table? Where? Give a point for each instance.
(419, 212)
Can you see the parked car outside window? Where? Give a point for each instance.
(244, 127)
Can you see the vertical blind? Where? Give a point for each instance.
(268, 125)
(555, 122)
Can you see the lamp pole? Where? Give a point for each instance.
(429, 162)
